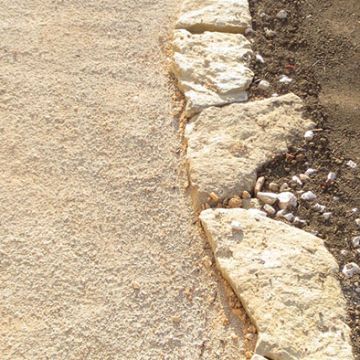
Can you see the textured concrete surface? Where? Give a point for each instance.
(98, 256)
(287, 281)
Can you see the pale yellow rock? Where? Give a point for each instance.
(212, 68)
(286, 280)
(226, 146)
(230, 16)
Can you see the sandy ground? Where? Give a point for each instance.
(99, 257)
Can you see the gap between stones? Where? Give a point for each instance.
(228, 142)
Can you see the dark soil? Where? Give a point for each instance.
(317, 46)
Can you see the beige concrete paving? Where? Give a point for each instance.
(98, 255)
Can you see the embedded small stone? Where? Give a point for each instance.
(246, 195)
(289, 217)
(269, 209)
(274, 187)
(344, 252)
(356, 242)
(310, 172)
(282, 15)
(287, 200)
(259, 59)
(297, 180)
(249, 336)
(299, 222)
(308, 196)
(351, 164)
(136, 285)
(249, 31)
(281, 213)
(304, 177)
(176, 319)
(264, 85)
(235, 202)
(300, 157)
(269, 33)
(351, 269)
(284, 187)
(259, 184)
(327, 215)
(236, 226)
(309, 135)
(331, 176)
(214, 197)
(319, 208)
(251, 203)
(267, 197)
(285, 79)
(206, 261)
(357, 222)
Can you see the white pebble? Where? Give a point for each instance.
(249, 31)
(356, 242)
(308, 196)
(236, 226)
(289, 217)
(287, 200)
(297, 180)
(264, 85)
(351, 164)
(259, 184)
(281, 213)
(351, 269)
(327, 215)
(274, 95)
(344, 252)
(267, 197)
(308, 136)
(269, 209)
(284, 187)
(282, 14)
(310, 172)
(319, 208)
(269, 33)
(285, 79)
(260, 59)
(354, 210)
(331, 176)
(298, 221)
(357, 222)
(304, 177)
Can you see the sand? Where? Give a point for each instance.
(99, 258)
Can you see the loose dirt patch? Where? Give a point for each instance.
(317, 45)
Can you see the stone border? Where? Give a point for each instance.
(209, 35)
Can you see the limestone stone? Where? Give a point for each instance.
(226, 146)
(212, 68)
(230, 16)
(286, 280)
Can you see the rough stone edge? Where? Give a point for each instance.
(185, 118)
(259, 347)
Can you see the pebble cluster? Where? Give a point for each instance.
(281, 200)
